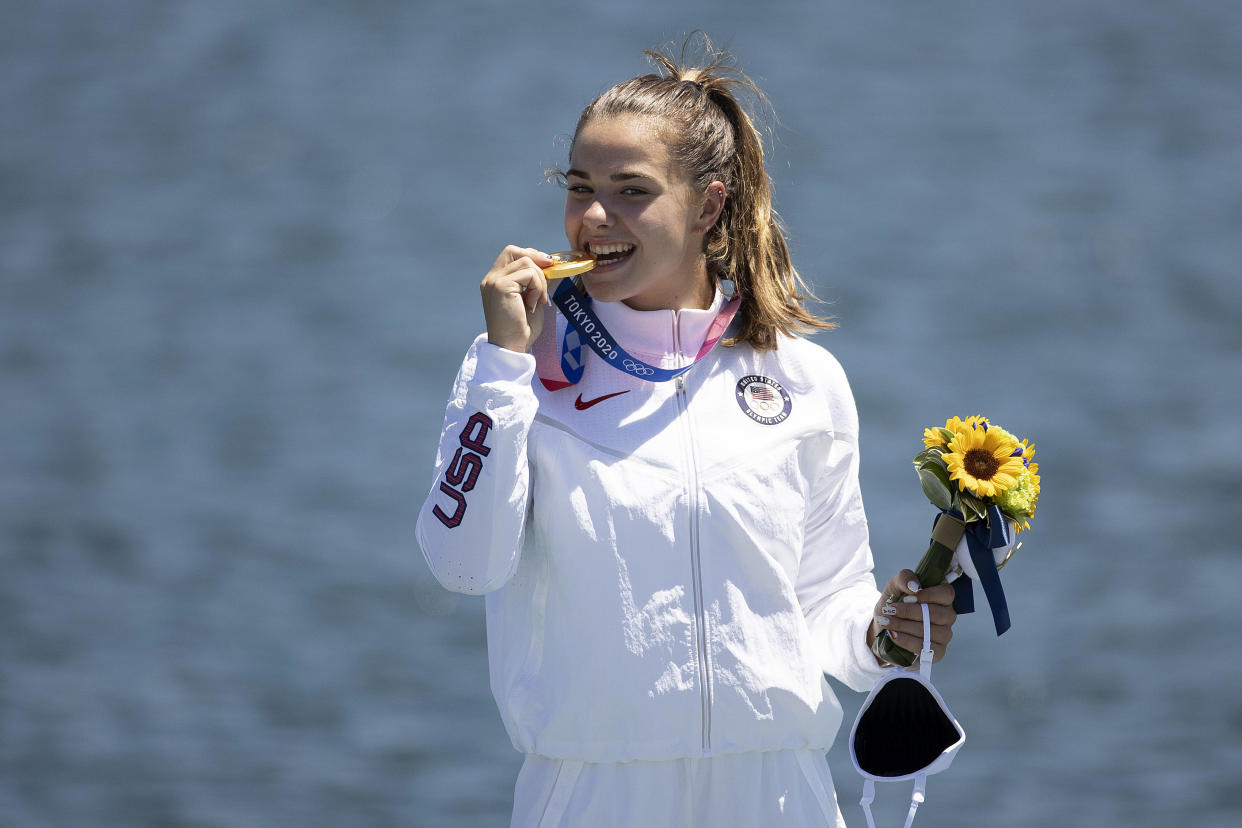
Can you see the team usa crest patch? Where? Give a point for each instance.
(763, 399)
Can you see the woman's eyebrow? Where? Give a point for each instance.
(621, 176)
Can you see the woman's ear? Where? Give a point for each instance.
(713, 203)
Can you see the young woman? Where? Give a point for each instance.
(672, 561)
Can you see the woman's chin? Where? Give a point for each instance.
(603, 288)
(602, 293)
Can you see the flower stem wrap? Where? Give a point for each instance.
(947, 532)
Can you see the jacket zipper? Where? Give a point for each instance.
(700, 613)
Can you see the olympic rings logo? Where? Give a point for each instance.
(637, 368)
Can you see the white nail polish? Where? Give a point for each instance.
(910, 599)
(913, 586)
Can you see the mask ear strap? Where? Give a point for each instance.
(925, 657)
(920, 786)
(925, 665)
(867, 798)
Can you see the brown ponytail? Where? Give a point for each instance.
(713, 138)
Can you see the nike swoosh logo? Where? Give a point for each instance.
(583, 406)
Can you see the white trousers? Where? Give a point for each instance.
(746, 790)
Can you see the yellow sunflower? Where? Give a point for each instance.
(1028, 451)
(954, 425)
(982, 461)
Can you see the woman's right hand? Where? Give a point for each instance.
(514, 291)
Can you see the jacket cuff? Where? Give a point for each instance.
(498, 381)
(499, 365)
(865, 668)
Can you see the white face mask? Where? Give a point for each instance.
(904, 730)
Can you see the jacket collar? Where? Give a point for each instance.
(659, 333)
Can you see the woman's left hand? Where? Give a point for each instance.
(904, 619)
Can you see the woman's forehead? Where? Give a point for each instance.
(620, 144)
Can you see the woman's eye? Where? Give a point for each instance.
(578, 188)
(633, 191)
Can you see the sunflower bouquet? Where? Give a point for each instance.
(983, 481)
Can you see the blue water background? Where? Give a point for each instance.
(240, 244)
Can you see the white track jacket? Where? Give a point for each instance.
(670, 568)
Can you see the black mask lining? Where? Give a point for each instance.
(902, 731)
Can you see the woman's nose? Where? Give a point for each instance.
(595, 214)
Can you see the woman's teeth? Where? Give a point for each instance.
(604, 249)
(605, 253)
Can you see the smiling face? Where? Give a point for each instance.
(630, 205)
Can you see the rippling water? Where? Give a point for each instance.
(239, 250)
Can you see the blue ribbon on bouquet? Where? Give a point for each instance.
(981, 538)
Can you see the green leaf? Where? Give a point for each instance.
(935, 488)
(972, 507)
(941, 471)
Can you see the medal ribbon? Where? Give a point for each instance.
(584, 326)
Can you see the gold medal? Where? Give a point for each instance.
(569, 263)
